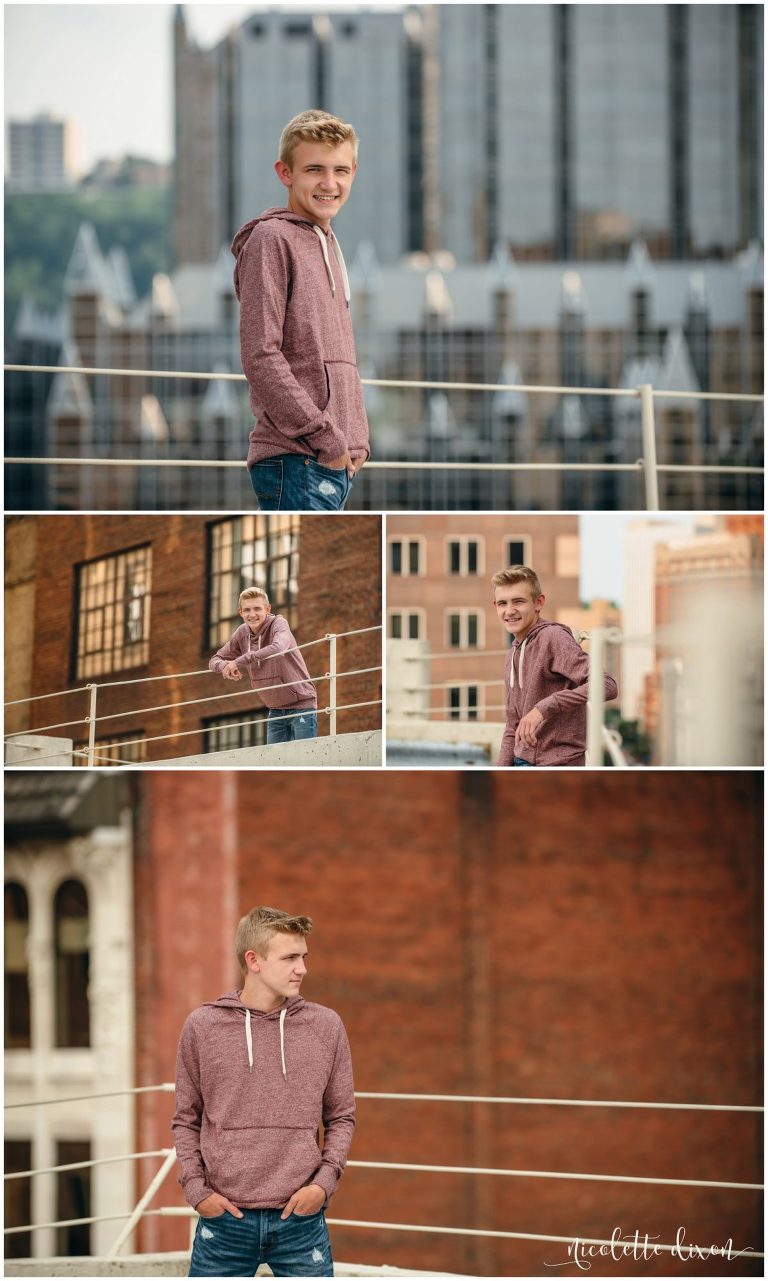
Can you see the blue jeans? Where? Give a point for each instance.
(293, 483)
(298, 1246)
(285, 726)
(518, 760)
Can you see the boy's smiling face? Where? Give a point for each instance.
(253, 611)
(318, 179)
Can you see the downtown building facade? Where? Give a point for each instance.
(559, 132)
(143, 603)
(685, 326)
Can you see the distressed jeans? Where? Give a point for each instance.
(285, 726)
(293, 483)
(298, 1246)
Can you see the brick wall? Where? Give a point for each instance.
(334, 561)
(572, 937)
(435, 593)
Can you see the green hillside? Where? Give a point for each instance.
(40, 233)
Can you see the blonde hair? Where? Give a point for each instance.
(518, 574)
(256, 930)
(315, 126)
(251, 593)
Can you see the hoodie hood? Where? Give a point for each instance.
(520, 645)
(283, 214)
(231, 1001)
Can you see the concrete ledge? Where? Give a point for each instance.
(166, 1265)
(340, 749)
(28, 749)
(446, 755)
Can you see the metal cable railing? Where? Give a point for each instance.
(599, 736)
(91, 719)
(131, 1218)
(647, 465)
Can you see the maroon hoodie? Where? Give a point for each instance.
(267, 663)
(549, 671)
(251, 1092)
(297, 346)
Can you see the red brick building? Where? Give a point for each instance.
(567, 938)
(439, 571)
(124, 598)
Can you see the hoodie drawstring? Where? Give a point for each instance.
(283, 1013)
(519, 668)
(249, 1039)
(340, 260)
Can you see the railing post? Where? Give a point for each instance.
(599, 638)
(331, 636)
(650, 464)
(141, 1206)
(94, 689)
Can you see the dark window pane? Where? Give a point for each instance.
(454, 629)
(113, 612)
(18, 1198)
(70, 915)
(17, 1008)
(396, 626)
(515, 552)
(244, 729)
(471, 557)
(413, 558)
(413, 626)
(472, 629)
(73, 1198)
(396, 554)
(454, 558)
(472, 702)
(454, 703)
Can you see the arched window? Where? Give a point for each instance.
(70, 925)
(17, 1012)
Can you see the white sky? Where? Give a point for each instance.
(109, 69)
(602, 550)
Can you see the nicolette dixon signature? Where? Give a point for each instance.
(640, 1247)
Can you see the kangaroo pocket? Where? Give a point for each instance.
(260, 1166)
(346, 407)
(281, 695)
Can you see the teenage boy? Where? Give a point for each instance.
(256, 1073)
(545, 674)
(297, 347)
(260, 647)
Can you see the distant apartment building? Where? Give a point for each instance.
(639, 607)
(145, 601)
(603, 614)
(561, 132)
(39, 155)
(705, 694)
(684, 327)
(439, 591)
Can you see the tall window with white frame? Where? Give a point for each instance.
(17, 1010)
(406, 557)
(71, 966)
